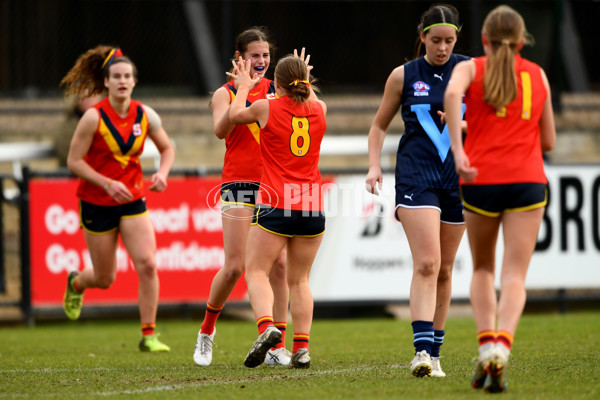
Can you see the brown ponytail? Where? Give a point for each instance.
(86, 78)
(504, 28)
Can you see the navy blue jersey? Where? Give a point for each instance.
(424, 156)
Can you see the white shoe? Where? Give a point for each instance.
(481, 370)
(495, 382)
(300, 359)
(436, 368)
(203, 350)
(280, 356)
(269, 338)
(421, 365)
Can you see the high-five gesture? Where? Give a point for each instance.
(305, 59)
(241, 74)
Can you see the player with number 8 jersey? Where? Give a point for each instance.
(291, 160)
(292, 128)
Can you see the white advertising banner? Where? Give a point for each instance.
(365, 254)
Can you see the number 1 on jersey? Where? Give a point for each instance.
(527, 94)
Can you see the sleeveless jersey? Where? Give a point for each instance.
(242, 145)
(290, 147)
(115, 152)
(504, 145)
(424, 158)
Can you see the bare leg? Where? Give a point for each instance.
(301, 255)
(262, 249)
(520, 230)
(236, 223)
(103, 252)
(138, 237)
(281, 291)
(482, 232)
(450, 237)
(422, 227)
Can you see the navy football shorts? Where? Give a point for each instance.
(493, 200)
(446, 201)
(238, 194)
(289, 222)
(104, 219)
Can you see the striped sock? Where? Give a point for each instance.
(423, 335)
(487, 339)
(210, 318)
(438, 341)
(504, 339)
(282, 326)
(148, 329)
(263, 323)
(300, 341)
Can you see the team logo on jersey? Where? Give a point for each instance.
(137, 129)
(271, 96)
(421, 88)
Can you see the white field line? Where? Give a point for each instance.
(164, 388)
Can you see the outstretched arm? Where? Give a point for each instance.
(462, 76)
(390, 104)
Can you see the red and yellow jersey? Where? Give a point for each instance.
(290, 148)
(242, 145)
(504, 145)
(115, 152)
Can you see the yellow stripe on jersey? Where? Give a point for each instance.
(124, 151)
(527, 95)
(253, 127)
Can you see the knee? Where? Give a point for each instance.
(515, 281)
(105, 281)
(146, 268)
(296, 280)
(278, 272)
(428, 268)
(233, 269)
(445, 274)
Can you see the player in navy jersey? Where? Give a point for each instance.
(427, 198)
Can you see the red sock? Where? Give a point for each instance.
(148, 329)
(210, 318)
(263, 323)
(486, 337)
(282, 326)
(504, 338)
(300, 341)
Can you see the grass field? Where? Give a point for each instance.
(554, 357)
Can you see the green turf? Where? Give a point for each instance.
(554, 357)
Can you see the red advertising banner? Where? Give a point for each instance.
(189, 239)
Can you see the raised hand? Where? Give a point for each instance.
(241, 74)
(305, 59)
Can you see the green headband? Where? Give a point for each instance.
(441, 24)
